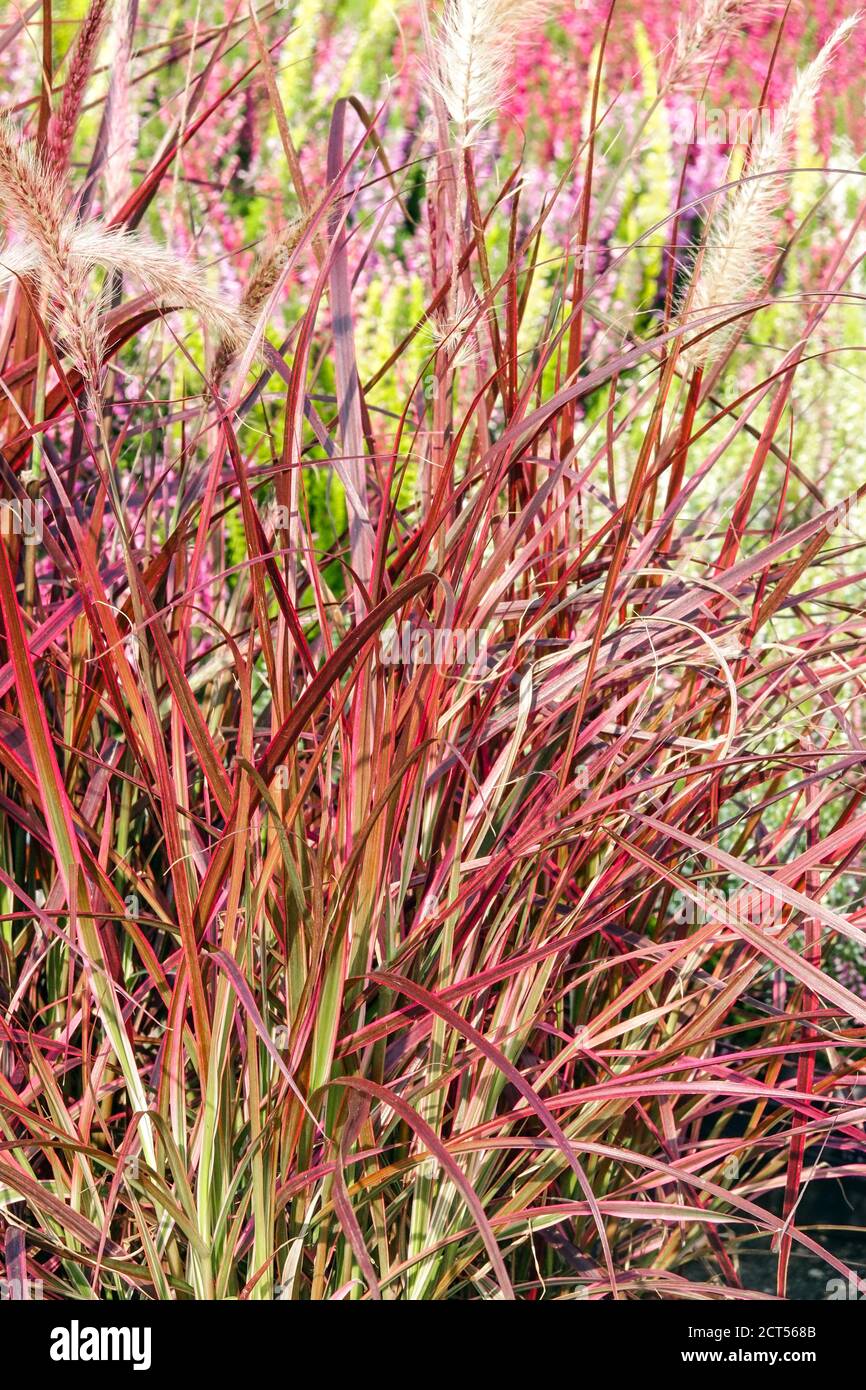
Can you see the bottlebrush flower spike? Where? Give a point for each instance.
(61, 127)
(32, 198)
(700, 35)
(733, 261)
(451, 333)
(263, 277)
(60, 253)
(473, 51)
(169, 278)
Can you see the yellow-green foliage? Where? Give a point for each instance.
(386, 313)
(374, 39)
(296, 62)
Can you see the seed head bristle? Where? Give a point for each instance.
(171, 280)
(32, 197)
(451, 333)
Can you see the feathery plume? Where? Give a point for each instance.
(172, 281)
(732, 264)
(700, 34)
(60, 253)
(32, 197)
(471, 55)
(473, 50)
(61, 127)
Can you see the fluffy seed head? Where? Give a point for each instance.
(172, 281)
(32, 198)
(473, 50)
(60, 254)
(734, 260)
(700, 34)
